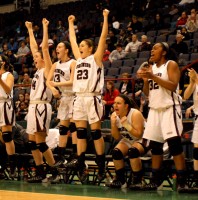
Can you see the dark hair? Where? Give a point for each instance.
(7, 66)
(90, 43)
(67, 46)
(170, 52)
(129, 101)
(112, 84)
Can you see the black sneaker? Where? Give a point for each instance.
(60, 163)
(83, 175)
(12, 172)
(183, 188)
(137, 186)
(117, 184)
(150, 187)
(73, 164)
(35, 179)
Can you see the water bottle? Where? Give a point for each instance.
(22, 173)
(174, 187)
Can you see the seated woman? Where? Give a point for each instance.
(127, 125)
(125, 85)
(109, 95)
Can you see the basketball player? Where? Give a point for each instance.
(62, 73)
(164, 122)
(88, 84)
(39, 111)
(127, 125)
(193, 89)
(7, 116)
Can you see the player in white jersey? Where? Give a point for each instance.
(61, 76)
(193, 89)
(127, 125)
(39, 111)
(7, 115)
(164, 122)
(88, 84)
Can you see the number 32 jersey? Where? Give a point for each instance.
(160, 97)
(88, 76)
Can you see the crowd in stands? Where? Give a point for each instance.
(134, 26)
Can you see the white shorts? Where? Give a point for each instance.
(7, 114)
(65, 108)
(38, 118)
(163, 124)
(195, 132)
(129, 143)
(88, 108)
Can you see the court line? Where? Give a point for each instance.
(15, 195)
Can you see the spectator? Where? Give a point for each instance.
(106, 54)
(13, 45)
(22, 52)
(192, 23)
(125, 85)
(111, 40)
(122, 37)
(181, 21)
(133, 45)
(180, 46)
(110, 94)
(185, 33)
(117, 54)
(145, 46)
(26, 79)
(134, 26)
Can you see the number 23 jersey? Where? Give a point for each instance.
(88, 76)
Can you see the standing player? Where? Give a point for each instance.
(39, 111)
(193, 89)
(62, 73)
(127, 125)
(88, 84)
(164, 122)
(7, 116)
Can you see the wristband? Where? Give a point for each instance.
(128, 127)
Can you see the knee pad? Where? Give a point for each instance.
(42, 147)
(96, 134)
(156, 148)
(133, 153)
(195, 153)
(32, 145)
(117, 154)
(72, 127)
(63, 130)
(81, 133)
(7, 136)
(175, 146)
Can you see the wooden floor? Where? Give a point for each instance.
(15, 195)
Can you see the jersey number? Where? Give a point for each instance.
(57, 78)
(82, 74)
(153, 85)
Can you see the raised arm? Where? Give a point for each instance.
(191, 87)
(102, 41)
(45, 47)
(33, 43)
(72, 37)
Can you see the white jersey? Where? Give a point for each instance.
(88, 76)
(160, 97)
(39, 90)
(125, 134)
(195, 99)
(62, 74)
(3, 94)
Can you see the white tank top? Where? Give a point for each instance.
(123, 131)
(62, 74)
(195, 99)
(3, 94)
(39, 90)
(88, 76)
(159, 97)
